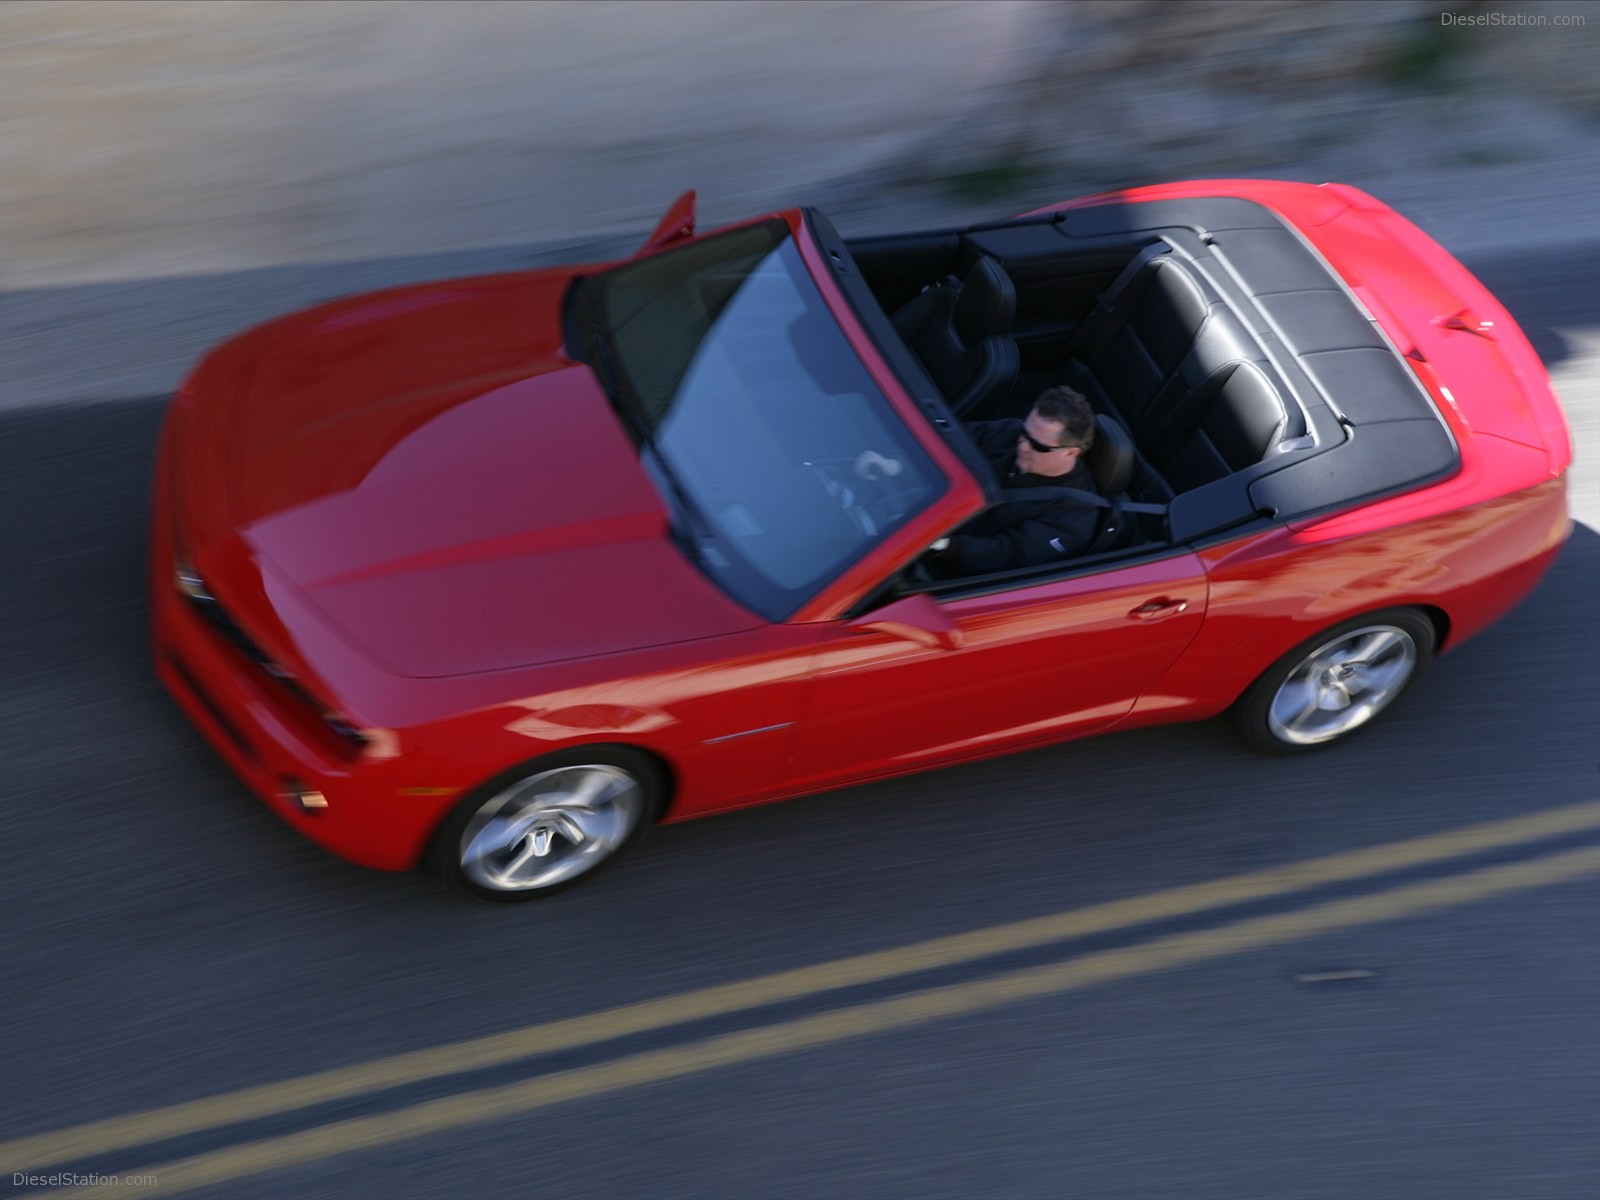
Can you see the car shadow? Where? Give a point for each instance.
(1505, 722)
(103, 765)
(1524, 281)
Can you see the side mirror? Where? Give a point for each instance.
(916, 618)
(674, 226)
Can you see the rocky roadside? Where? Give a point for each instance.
(1486, 135)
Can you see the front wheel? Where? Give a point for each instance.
(548, 824)
(1329, 687)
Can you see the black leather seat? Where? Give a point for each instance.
(1231, 421)
(962, 335)
(1111, 458)
(1186, 378)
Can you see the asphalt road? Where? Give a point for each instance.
(1419, 1027)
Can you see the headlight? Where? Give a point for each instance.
(190, 584)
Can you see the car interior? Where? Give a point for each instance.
(1178, 397)
(1249, 380)
(1132, 328)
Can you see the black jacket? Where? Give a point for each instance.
(1026, 533)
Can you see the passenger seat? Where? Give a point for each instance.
(962, 335)
(1184, 377)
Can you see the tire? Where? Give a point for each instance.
(1334, 684)
(548, 824)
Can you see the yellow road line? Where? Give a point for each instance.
(917, 1008)
(98, 1137)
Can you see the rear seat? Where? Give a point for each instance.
(1183, 375)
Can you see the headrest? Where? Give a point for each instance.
(1111, 457)
(987, 304)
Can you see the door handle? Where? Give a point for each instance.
(1159, 609)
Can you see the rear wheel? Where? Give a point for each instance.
(1327, 688)
(548, 824)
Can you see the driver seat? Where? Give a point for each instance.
(962, 335)
(1111, 457)
(1111, 460)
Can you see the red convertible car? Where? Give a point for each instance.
(493, 573)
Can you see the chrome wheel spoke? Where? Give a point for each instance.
(569, 823)
(1368, 678)
(591, 787)
(550, 827)
(498, 835)
(1296, 707)
(526, 855)
(1380, 644)
(1343, 684)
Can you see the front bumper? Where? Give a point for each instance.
(356, 804)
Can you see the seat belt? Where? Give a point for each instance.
(1106, 303)
(1113, 511)
(1080, 498)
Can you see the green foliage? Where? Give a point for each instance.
(1482, 156)
(1001, 178)
(1426, 52)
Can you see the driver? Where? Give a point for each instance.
(1045, 449)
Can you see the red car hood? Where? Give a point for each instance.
(448, 489)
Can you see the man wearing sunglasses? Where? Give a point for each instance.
(1044, 450)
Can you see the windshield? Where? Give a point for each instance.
(752, 413)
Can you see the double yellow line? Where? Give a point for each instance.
(94, 1139)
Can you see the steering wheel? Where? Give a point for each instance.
(894, 491)
(871, 502)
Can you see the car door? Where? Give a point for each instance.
(967, 675)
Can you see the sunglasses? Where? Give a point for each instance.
(1042, 447)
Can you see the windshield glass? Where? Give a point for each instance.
(753, 413)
